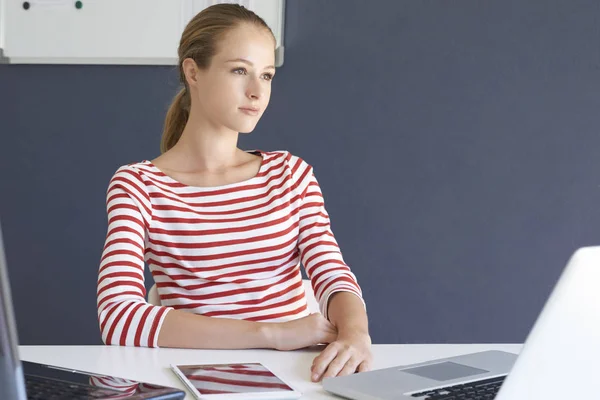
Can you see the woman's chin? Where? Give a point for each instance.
(245, 128)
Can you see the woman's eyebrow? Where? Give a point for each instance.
(248, 62)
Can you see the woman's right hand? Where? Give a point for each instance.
(303, 332)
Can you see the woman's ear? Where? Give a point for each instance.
(190, 70)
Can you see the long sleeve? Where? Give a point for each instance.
(319, 250)
(124, 316)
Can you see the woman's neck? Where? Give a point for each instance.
(205, 147)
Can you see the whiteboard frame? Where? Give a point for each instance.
(275, 15)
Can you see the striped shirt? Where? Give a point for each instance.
(232, 251)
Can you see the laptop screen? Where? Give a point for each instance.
(99, 386)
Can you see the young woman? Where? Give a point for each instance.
(222, 230)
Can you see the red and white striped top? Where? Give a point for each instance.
(231, 251)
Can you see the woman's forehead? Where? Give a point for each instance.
(246, 42)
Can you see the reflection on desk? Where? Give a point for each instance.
(125, 386)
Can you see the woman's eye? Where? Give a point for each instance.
(243, 71)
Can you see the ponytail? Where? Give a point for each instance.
(177, 117)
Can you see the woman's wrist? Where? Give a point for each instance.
(360, 332)
(270, 334)
(352, 327)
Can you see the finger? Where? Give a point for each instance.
(337, 364)
(325, 357)
(350, 367)
(364, 366)
(321, 362)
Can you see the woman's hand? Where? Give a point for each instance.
(348, 354)
(303, 332)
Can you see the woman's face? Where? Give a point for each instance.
(234, 91)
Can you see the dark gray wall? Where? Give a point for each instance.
(456, 143)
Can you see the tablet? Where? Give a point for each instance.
(252, 381)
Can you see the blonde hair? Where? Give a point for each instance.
(199, 42)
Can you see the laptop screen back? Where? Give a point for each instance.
(11, 374)
(560, 357)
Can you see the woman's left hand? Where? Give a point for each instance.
(350, 353)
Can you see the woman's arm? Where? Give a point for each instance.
(335, 286)
(347, 313)
(319, 250)
(351, 351)
(186, 330)
(124, 316)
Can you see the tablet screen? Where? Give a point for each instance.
(232, 378)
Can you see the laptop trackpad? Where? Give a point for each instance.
(444, 371)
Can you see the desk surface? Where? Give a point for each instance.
(152, 365)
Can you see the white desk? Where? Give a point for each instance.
(152, 365)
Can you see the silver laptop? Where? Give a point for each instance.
(559, 360)
(21, 380)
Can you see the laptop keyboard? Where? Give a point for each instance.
(39, 388)
(479, 390)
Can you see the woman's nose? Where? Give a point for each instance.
(254, 90)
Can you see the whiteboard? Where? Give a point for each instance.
(109, 31)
